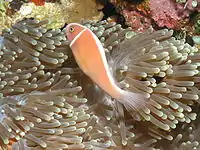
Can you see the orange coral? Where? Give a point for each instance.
(144, 7)
(38, 2)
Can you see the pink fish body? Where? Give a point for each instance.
(90, 56)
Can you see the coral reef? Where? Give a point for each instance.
(3, 17)
(136, 13)
(164, 13)
(186, 8)
(171, 14)
(16, 4)
(58, 13)
(137, 21)
(197, 24)
(44, 93)
(177, 15)
(67, 11)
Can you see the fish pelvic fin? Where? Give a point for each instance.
(133, 102)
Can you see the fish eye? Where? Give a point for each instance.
(71, 29)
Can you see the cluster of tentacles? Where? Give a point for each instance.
(47, 102)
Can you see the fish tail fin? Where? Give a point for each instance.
(133, 102)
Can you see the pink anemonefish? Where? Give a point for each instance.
(90, 56)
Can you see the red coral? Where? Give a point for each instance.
(169, 12)
(136, 20)
(164, 13)
(187, 8)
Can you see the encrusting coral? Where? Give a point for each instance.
(66, 11)
(38, 82)
(57, 13)
(174, 14)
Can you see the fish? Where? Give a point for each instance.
(90, 56)
(38, 2)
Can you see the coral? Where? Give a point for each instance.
(136, 14)
(7, 10)
(164, 13)
(137, 21)
(67, 11)
(57, 13)
(177, 15)
(16, 4)
(110, 12)
(186, 8)
(3, 17)
(171, 13)
(196, 40)
(197, 23)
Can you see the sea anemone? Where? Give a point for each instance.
(155, 64)
(51, 114)
(28, 50)
(159, 66)
(39, 83)
(13, 125)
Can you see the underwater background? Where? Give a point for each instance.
(48, 103)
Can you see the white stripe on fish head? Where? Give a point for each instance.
(74, 40)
